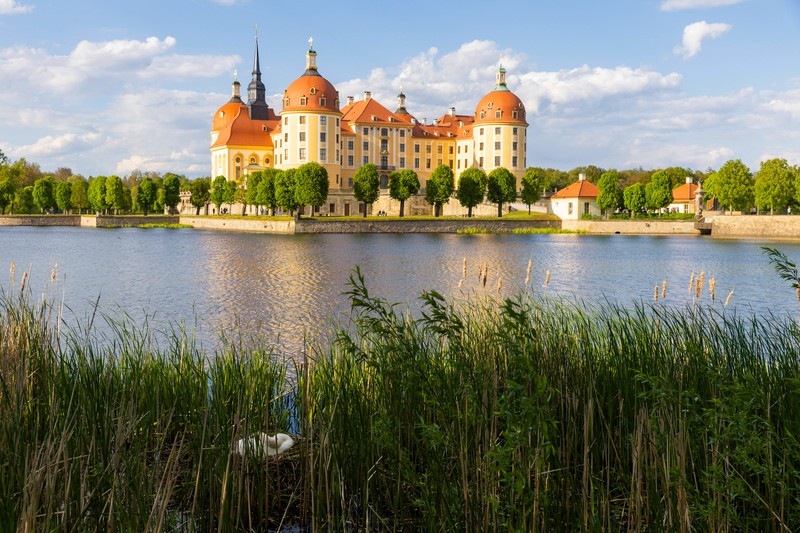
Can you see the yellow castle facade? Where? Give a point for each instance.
(315, 125)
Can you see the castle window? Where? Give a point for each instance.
(480, 162)
(323, 154)
(402, 147)
(337, 120)
(483, 114)
(366, 146)
(350, 145)
(498, 114)
(302, 154)
(515, 114)
(402, 162)
(322, 101)
(313, 90)
(439, 149)
(514, 130)
(416, 162)
(266, 161)
(366, 160)
(384, 132)
(286, 120)
(450, 150)
(337, 139)
(302, 137)
(480, 131)
(286, 137)
(427, 163)
(480, 146)
(514, 161)
(428, 149)
(497, 160)
(302, 119)
(489, 105)
(252, 160)
(303, 100)
(497, 131)
(286, 104)
(350, 160)
(416, 148)
(365, 131)
(322, 137)
(497, 145)
(402, 133)
(323, 121)
(514, 146)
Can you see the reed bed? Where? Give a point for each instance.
(527, 413)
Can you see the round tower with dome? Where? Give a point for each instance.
(500, 129)
(309, 122)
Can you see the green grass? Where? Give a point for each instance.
(523, 231)
(514, 215)
(476, 414)
(168, 226)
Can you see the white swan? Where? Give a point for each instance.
(261, 445)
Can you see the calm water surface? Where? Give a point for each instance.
(290, 285)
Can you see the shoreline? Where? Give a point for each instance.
(784, 227)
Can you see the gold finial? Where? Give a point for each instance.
(310, 42)
(236, 74)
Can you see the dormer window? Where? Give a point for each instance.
(221, 114)
(489, 105)
(498, 114)
(515, 114)
(322, 101)
(313, 90)
(302, 100)
(286, 103)
(483, 114)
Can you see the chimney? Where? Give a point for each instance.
(435, 122)
(367, 95)
(413, 121)
(688, 180)
(452, 111)
(581, 177)
(350, 100)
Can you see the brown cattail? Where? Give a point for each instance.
(664, 290)
(712, 286)
(24, 279)
(547, 279)
(54, 272)
(528, 272)
(728, 299)
(499, 283)
(460, 282)
(691, 282)
(464, 275)
(702, 279)
(12, 271)
(655, 294)
(485, 274)
(698, 288)
(798, 294)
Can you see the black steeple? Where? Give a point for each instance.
(256, 92)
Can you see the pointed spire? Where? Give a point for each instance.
(256, 92)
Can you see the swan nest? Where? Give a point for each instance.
(261, 445)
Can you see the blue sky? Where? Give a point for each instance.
(107, 87)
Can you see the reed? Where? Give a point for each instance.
(524, 413)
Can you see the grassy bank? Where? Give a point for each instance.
(524, 414)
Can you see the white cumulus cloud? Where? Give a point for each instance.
(674, 5)
(694, 34)
(11, 7)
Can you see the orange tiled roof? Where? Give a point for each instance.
(363, 111)
(684, 193)
(242, 131)
(579, 189)
(504, 101)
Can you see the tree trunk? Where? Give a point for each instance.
(365, 209)
(529, 209)
(499, 209)
(402, 205)
(469, 212)
(197, 211)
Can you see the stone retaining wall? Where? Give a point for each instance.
(129, 221)
(41, 220)
(240, 224)
(767, 226)
(372, 225)
(632, 227)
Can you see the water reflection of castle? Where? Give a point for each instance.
(313, 126)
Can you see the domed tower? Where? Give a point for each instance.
(500, 130)
(310, 122)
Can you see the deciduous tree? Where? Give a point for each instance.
(63, 193)
(115, 193)
(440, 188)
(266, 190)
(774, 186)
(732, 185)
(471, 188)
(366, 185)
(7, 192)
(501, 188)
(147, 195)
(199, 190)
(532, 186)
(658, 193)
(635, 198)
(24, 199)
(80, 196)
(312, 185)
(44, 194)
(172, 189)
(217, 193)
(285, 184)
(97, 194)
(610, 195)
(402, 185)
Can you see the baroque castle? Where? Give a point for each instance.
(315, 125)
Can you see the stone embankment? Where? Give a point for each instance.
(632, 227)
(757, 226)
(373, 225)
(254, 225)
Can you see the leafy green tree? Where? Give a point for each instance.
(285, 184)
(591, 172)
(3, 159)
(251, 194)
(97, 194)
(311, 185)
(610, 195)
(471, 188)
(158, 204)
(501, 188)
(63, 193)
(7, 191)
(440, 188)
(200, 196)
(80, 196)
(658, 193)
(24, 199)
(555, 179)
(366, 185)
(774, 186)
(266, 189)
(217, 194)
(403, 184)
(172, 190)
(115, 193)
(635, 198)
(732, 185)
(147, 194)
(532, 185)
(44, 194)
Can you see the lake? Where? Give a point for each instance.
(290, 285)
